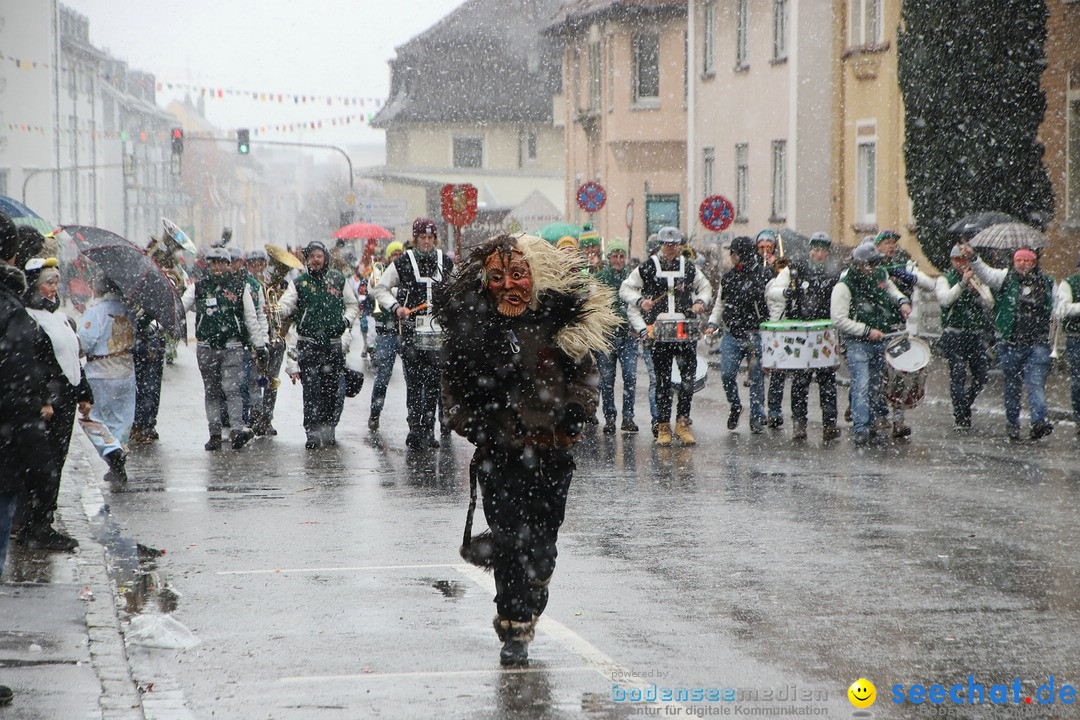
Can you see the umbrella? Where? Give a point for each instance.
(22, 215)
(363, 231)
(554, 231)
(977, 222)
(1009, 236)
(140, 279)
(796, 245)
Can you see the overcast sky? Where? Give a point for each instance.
(334, 48)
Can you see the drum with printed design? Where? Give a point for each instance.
(428, 334)
(796, 345)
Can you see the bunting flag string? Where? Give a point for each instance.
(221, 93)
(164, 135)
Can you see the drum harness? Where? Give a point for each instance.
(427, 281)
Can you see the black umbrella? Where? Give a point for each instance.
(977, 222)
(139, 278)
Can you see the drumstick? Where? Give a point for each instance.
(418, 308)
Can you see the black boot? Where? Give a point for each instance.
(214, 443)
(241, 437)
(45, 537)
(514, 653)
(516, 636)
(117, 460)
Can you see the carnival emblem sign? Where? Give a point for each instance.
(459, 204)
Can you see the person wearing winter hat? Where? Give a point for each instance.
(766, 242)
(590, 246)
(741, 308)
(668, 283)
(407, 290)
(387, 340)
(1023, 310)
(624, 345)
(864, 306)
(966, 307)
(324, 307)
(567, 243)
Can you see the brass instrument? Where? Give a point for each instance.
(282, 262)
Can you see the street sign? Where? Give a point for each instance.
(630, 214)
(591, 197)
(459, 204)
(716, 213)
(387, 213)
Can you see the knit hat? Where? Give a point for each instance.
(36, 267)
(745, 248)
(768, 236)
(588, 237)
(315, 245)
(424, 226)
(886, 235)
(616, 245)
(566, 241)
(393, 248)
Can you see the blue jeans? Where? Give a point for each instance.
(1072, 350)
(625, 351)
(386, 350)
(148, 356)
(7, 512)
(646, 355)
(1025, 365)
(866, 362)
(732, 352)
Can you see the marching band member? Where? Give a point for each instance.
(1022, 313)
(1067, 316)
(406, 289)
(740, 306)
(766, 247)
(624, 345)
(804, 292)
(387, 340)
(966, 304)
(255, 263)
(282, 263)
(668, 283)
(865, 304)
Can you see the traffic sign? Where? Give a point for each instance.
(459, 204)
(591, 197)
(630, 214)
(716, 213)
(387, 213)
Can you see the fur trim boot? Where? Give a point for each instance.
(516, 636)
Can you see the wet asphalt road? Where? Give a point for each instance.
(327, 584)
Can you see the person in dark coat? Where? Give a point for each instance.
(24, 406)
(522, 322)
(57, 354)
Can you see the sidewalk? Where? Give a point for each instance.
(61, 649)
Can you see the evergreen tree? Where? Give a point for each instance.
(969, 73)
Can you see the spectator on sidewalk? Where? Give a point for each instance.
(1067, 313)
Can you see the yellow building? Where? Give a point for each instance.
(624, 106)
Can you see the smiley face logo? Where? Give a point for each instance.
(862, 693)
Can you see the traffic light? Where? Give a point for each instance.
(243, 143)
(178, 141)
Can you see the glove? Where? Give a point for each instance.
(573, 420)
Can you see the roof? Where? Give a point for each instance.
(577, 12)
(484, 62)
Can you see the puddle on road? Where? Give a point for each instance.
(450, 589)
(133, 568)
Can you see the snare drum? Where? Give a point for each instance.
(676, 328)
(428, 334)
(797, 345)
(906, 360)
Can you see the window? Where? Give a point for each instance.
(468, 152)
(1072, 160)
(594, 76)
(532, 145)
(742, 181)
(610, 73)
(866, 22)
(575, 77)
(780, 29)
(742, 34)
(526, 147)
(866, 174)
(779, 180)
(708, 167)
(4, 182)
(661, 211)
(646, 67)
(708, 39)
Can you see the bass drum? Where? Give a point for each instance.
(906, 360)
(700, 377)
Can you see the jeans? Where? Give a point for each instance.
(148, 356)
(732, 352)
(322, 368)
(386, 350)
(800, 395)
(685, 354)
(1072, 350)
(625, 351)
(1025, 365)
(965, 350)
(866, 362)
(8, 503)
(646, 355)
(221, 370)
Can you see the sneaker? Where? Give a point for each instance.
(47, 538)
(861, 439)
(900, 431)
(373, 423)
(609, 427)
(214, 443)
(241, 437)
(775, 423)
(733, 417)
(1041, 429)
(755, 425)
(799, 433)
(830, 433)
(514, 653)
(1014, 433)
(629, 426)
(6, 696)
(271, 430)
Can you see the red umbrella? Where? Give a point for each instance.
(363, 231)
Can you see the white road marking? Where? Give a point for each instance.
(356, 568)
(430, 674)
